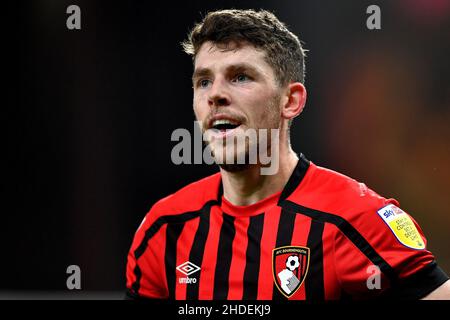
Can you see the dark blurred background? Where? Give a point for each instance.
(91, 113)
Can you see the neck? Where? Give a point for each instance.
(249, 186)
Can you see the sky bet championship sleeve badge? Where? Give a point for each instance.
(402, 226)
(289, 267)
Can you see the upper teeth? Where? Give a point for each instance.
(223, 121)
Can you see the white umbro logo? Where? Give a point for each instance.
(188, 268)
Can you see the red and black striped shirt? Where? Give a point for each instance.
(317, 239)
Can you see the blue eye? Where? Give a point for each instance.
(241, 78)
(203, 83)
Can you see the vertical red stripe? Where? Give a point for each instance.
(131, 264)
(331, 283)
(268, 242)
(153, 283)
(238, 259)
(206, 287)
(300, 238)
(184, 245)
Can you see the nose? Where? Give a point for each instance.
(218, 94)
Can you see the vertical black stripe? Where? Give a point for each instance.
(172, 234)
(251, 273)
(284, 238)
(137, 283)
(153, 229)
(220, 193)
(314, 285)
(197, 251)
(224, 253)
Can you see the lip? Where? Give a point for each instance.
(223, 117)
(217, 134)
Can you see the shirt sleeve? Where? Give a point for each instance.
(382, 253)
(145, 263)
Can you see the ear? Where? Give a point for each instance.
(295, 100)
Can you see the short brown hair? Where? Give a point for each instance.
(284, 52)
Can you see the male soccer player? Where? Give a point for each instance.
(302, 232)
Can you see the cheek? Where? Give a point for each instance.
(270, 118)
(264, 108)
(199, 109)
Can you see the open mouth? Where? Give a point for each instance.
(224, 125)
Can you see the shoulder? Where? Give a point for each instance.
(332, 192)
(357, 212)
(360, 219)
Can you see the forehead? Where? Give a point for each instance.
(215, 57)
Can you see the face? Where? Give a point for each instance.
(234, 90)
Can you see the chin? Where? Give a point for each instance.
(235, 157)
(234, 167)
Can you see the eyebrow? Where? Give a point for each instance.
(201, 72)
(239, 67)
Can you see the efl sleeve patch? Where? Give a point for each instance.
(402, 226)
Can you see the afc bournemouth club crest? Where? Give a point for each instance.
(289, 266)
